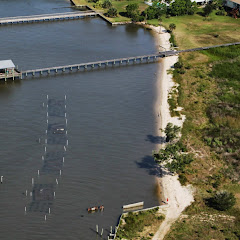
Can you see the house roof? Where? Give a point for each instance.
(236, 1)
(6, 64)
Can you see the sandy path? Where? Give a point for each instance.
(177, 196)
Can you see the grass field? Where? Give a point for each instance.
(119, 5)
(195, 30)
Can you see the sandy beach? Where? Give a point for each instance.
(176, 196)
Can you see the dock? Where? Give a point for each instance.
(48, 17)
(129, 61)
(98, 64)
(133, 206)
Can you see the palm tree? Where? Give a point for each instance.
(172, 26)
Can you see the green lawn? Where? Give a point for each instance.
(119, 5)
(195, 30)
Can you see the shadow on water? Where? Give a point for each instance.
(150, 165)
(155, 139)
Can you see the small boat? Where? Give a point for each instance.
(92, 209)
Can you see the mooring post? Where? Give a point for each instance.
(56, 181)
(97, 228)
(45, 218)
(1, 179)
(32, 181)
(111, 229)
(63, 69)
(25, 209)
(49, 211)
(63, 159)
(102, 232)
(38, 172)
(60, 172)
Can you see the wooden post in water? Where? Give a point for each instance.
(1, 179)
(97, 228)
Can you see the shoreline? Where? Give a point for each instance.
(176, 196)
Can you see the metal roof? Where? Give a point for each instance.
(6, 64)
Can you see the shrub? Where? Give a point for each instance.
(182, 179)
(107, 4)
(222, 200)
(112, 12)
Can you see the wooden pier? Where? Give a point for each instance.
(129, 61)
(98, 64)
(48, 17)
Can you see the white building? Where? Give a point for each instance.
(7, 69)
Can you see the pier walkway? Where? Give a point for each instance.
(48, 17)
(105, 63)
(99, 64)
(115, 62)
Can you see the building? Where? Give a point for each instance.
(7, 70)
(233, 3)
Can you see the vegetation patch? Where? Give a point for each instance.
(139, 226)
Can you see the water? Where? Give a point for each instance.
(110, 121)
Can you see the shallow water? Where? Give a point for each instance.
(110, 124)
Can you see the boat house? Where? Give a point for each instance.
(7, 70)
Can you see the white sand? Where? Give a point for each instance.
(178, 197)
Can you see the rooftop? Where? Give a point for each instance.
(235, 1)
(6, 64)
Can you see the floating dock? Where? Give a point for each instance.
(48, 17)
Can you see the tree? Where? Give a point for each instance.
(107, 4)
(174, 157)
(132, 10)
(207, 10)
(222, 200)
(182, 7)
(171, 132)
(172, 26)
(112, 12)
